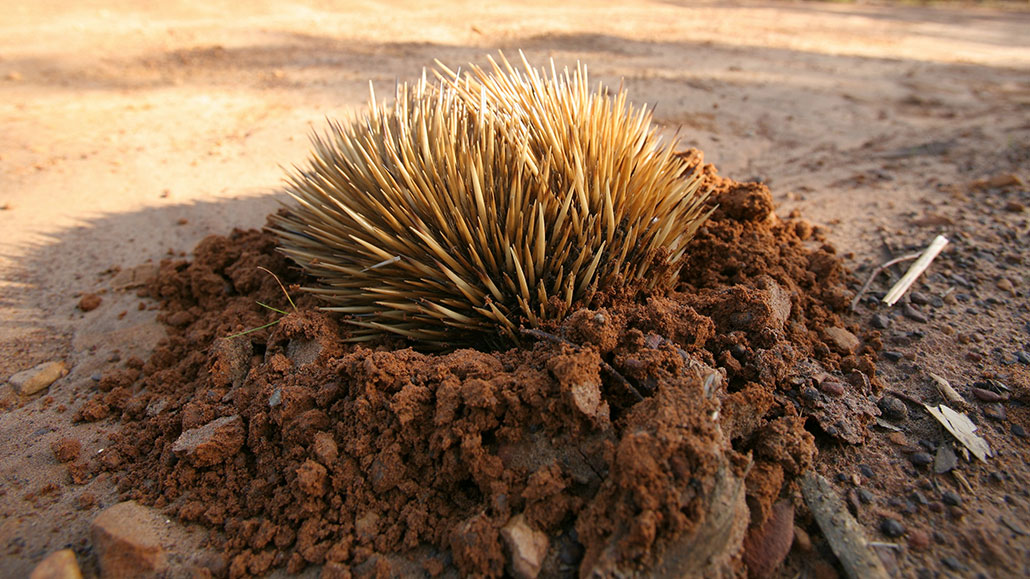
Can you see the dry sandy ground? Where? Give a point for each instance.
(132, 131)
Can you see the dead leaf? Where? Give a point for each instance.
(961, 428)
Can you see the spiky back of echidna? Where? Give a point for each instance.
(487, 201)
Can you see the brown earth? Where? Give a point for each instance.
(363, 457)
(134, 133)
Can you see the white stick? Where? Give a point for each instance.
(915, 271)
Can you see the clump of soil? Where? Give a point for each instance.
(641, 435)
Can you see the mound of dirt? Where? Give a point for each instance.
(647, 435)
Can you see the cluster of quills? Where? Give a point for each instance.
(486, 201)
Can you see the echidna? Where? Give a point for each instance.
(485, 201)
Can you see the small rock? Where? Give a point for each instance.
(586, 397)
(1023, 357)
(946, 459)
(995, 412)
(843, 340)
(581, 387)
(892, 408)
(1005, 284)
(864, 470)
(1003, 180)
(865, 496)
(28, 382)
(920, 458)
(892, 356)
(892, 528)
(898, 438)
(135, 277)
(212, 443)
(832, 388)
(1018, 430)
(953, 563)
(950, 498)
(126, 541)
(66, 449)
(919, 298)
(779, 302)
(1015, 207)
(880, 322)
(766, 546)
(918, 539)
(526, 548)
(90, 302)
(58, 565)
(910, 312)
(986, 395)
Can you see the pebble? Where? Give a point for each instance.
(961, 280)
(892, 356)
(953, 564)
(90, 302)
(844, 340)
(1018, 430)
(880, 322)
(892, 528)
(946, 459)
(898, 438)
(1023, 357)
(995, 412)
(527, 546)
(126, 542)
(1005, 285)
(893, 408)
(952, 499)
(28, 382)
(920, 458)
(910, 312)
(865, 496)
(832, 388)
(58, 565)
(986, 395)
(918, 539)
(919, 298)
(865, 471)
